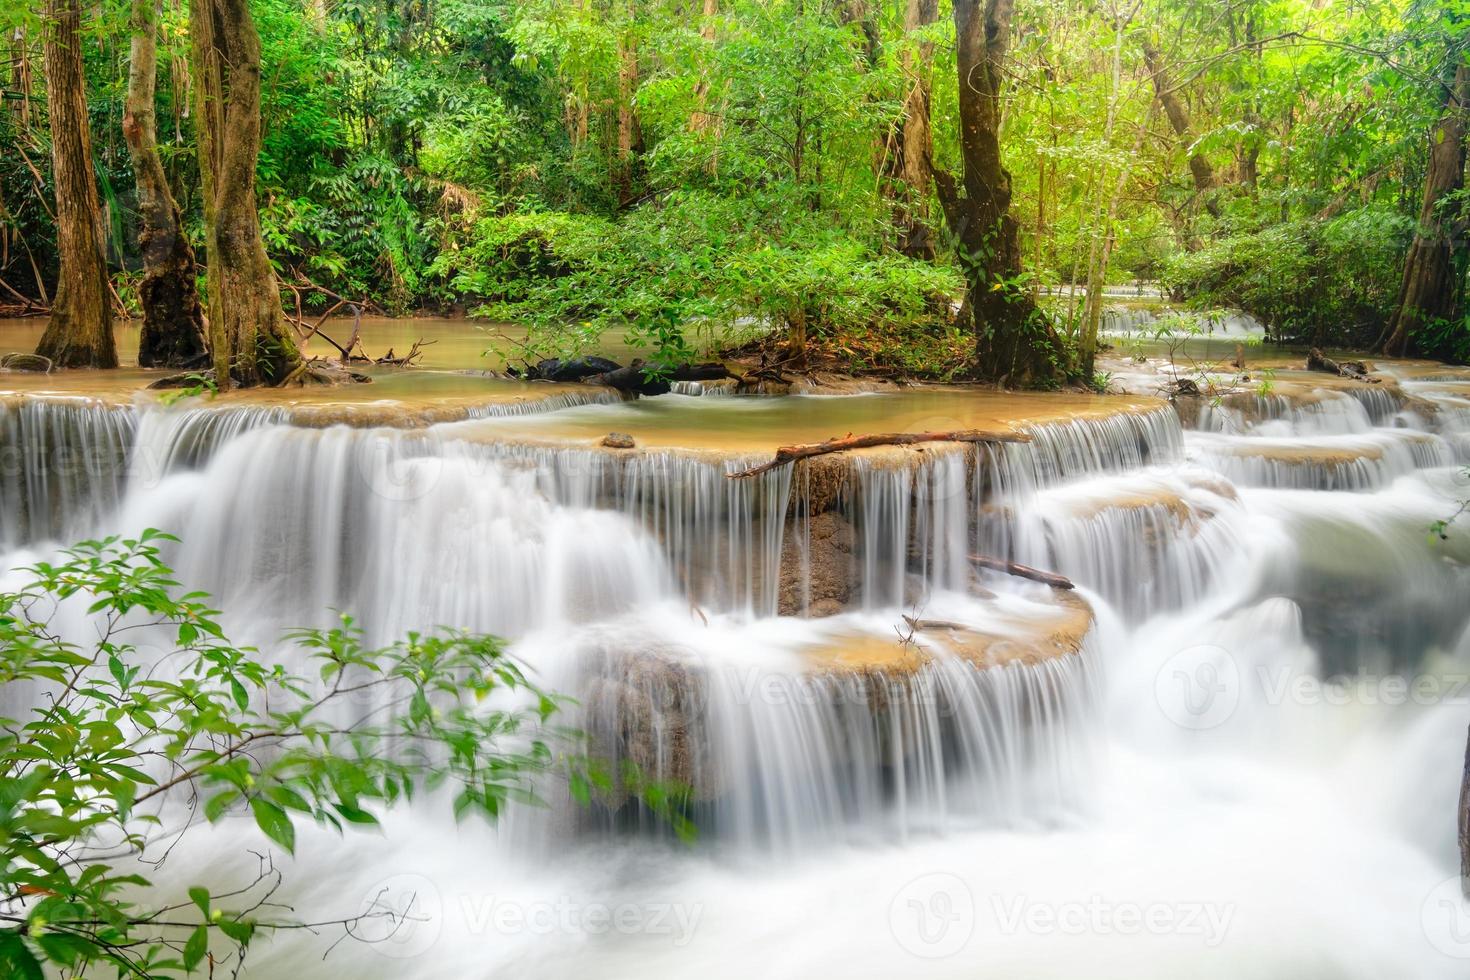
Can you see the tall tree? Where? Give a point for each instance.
(248, 335)
(630, 132)
(1167, 93)
(173, 327)
(1013, 339)
(80, 331)
(913, 139)
(1427, 292)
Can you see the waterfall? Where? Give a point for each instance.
(851, 704)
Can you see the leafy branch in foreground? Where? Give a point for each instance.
(157, 721)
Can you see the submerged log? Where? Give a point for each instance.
(1023, 571)
(790, 454)
(1357, 370)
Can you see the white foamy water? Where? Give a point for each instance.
(1248, 768)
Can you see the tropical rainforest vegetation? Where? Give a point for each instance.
(892, 182)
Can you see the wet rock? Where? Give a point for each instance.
(632, 379)
(576, 369)
(618, 440)
(26, 362)
(817, 574)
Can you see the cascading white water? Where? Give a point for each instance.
(1209, 761)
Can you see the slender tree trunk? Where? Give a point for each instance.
(630, 134)
(1427, 291)
(249, 338)
(80, 331)
(913, 145)
(1106, 207)
(173, 327)
(1013, 340)
(699, 120)
(1464, 822)
(1173, 106)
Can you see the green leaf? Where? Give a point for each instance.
(241, 932)
(196, 947)
(17, 958)
(273, 821)
(217, 804)
(201, 899)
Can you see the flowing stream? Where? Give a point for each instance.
(1235, 751)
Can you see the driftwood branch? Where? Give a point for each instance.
(1023, 571)
(790, 454)
(1357, 370)
(414, 353)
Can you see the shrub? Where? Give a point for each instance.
(1326, 283)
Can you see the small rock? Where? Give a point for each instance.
(617, 440)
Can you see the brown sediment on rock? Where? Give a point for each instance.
(1056, 629)
(649, 707)
(411, 400)
(1303, 454)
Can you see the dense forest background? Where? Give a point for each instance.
(680, 169)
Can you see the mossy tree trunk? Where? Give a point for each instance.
(173, 323)
(80, 331)
(1427, 293)
(249, 338)
(1014, 342)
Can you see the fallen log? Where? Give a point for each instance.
(1357, 370)
(1023, 571)
(790, 454)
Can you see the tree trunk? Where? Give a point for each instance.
(1013, 340)
(1427, 291)
(173, 328)
(913, 145)
(630, 134)
(248, 336)
(1464, 822)
(699, 120)
(80, 331)
(1169, 101)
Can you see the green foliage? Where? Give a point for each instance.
(1333, 282)
(158, 712)
(407, 146)
(697, 270)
